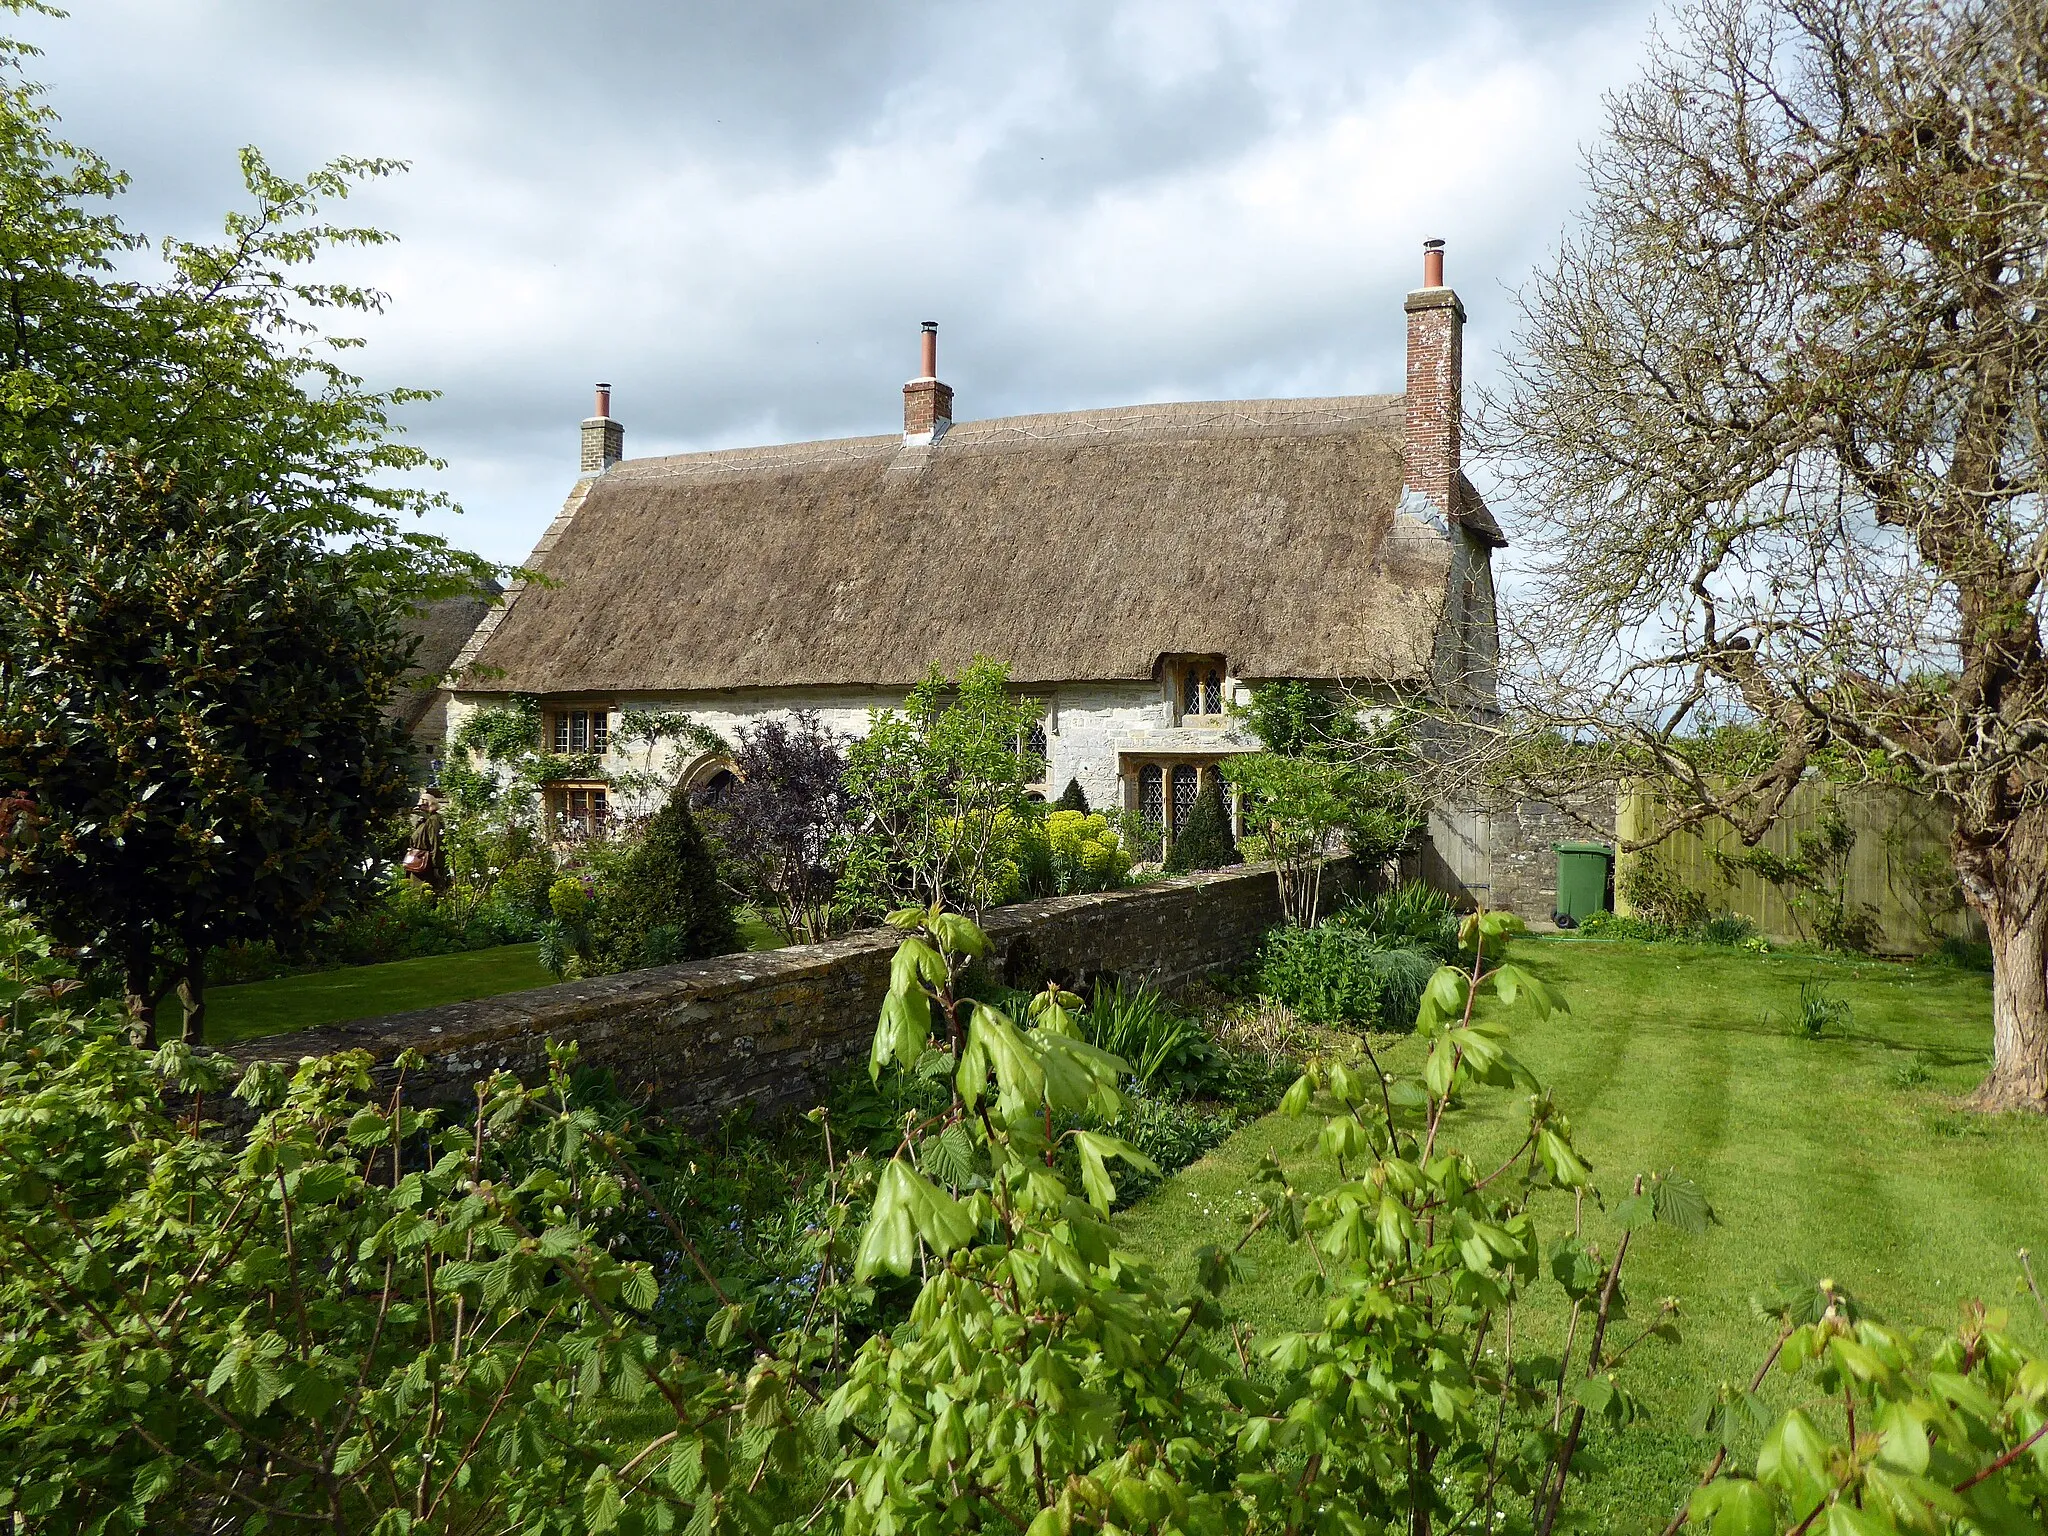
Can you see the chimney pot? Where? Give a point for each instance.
(1432, 263)
(930, 340)
(604, 439)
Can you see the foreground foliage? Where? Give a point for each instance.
(366, 1318)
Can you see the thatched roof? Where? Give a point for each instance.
(444, 627)
(1079, 546)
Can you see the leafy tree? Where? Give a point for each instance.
(191, 724)
(930, 787)
(182, 398)
(1327, 776)
(665, 902)
(207, 357)
(784, 820)
(1206, 841)
(1298, 805)
(1777, 407)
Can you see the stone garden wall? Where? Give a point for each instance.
(766, 1032)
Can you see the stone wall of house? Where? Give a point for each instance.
(767, 1032)
(1085, 723)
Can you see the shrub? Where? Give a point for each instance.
(1205, 842)
(1330, 974)
(1962, 954)
(784, 821)
(1074, 798)
(665, 900)
(1727, 928)
(1615, 925)
(1660, 897)
(1086, 854)
(1412, 916)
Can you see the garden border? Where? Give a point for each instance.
(765, 1032)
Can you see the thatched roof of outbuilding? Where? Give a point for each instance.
(444, 627)
(1079, 546)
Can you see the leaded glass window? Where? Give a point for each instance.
(1185, 783)
(1212, 691)
(1151, 794)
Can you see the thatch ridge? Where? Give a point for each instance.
(1077, 546)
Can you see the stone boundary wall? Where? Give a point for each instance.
(768, 1031)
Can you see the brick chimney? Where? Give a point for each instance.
(1436, 380)
(927, 404)
(604, 440)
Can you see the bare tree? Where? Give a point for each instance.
(1779, 402)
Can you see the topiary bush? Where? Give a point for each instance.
(665, 903)
(1206, 841)
(1074, 798)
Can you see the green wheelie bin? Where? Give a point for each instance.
(1582, 870)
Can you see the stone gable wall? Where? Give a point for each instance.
(765, 1033)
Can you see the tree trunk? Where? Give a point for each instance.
(138, 964)
(2006, 882)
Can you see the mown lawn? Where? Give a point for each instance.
(1845, 1156)
(365, 991)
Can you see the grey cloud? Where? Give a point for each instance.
(737, 213)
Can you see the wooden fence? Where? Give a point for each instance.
(1896, 832)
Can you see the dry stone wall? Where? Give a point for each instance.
(767, 1032)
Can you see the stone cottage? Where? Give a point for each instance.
(1136, 567)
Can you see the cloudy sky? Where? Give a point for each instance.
(737, 212)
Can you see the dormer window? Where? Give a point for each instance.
(1199, 688)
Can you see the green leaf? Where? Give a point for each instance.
(904, 1033)
(959, 934)
(1734, 1506)
(602, 1502)
(639, 1289)
(906, 1208)
(1562, 1163)
(949, 1156)
(1443, 998)
(1904, 1444)
(1593, 1393)
(1633, 1212)
(1680, 1204)
(1095, 1149)
(1295, 1100)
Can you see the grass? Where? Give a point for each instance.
(398, 986)
(365, 991)
(1845, 1155)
